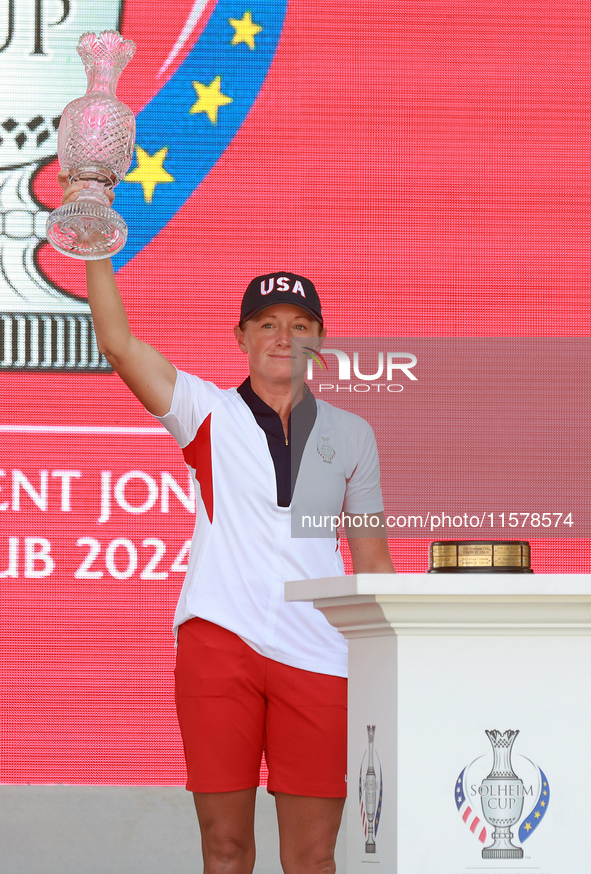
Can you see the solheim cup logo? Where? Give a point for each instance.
(41, 327)
(370, 792)
(502, 799)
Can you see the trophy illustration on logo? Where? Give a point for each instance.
(370, 793)
(95, 144)
(325, 450)
(501, 795)
(42, 327)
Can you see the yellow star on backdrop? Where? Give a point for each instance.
(149, 171)
(210, 98)
(245, 30)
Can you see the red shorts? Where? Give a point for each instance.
(233, 704)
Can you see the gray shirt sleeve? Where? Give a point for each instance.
(363, 492)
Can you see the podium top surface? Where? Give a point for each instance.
(440, 585)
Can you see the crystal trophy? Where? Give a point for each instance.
(95, 144)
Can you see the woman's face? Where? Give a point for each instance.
(267, 340)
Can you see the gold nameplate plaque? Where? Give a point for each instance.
(480, 556)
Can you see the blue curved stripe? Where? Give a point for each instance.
(194, 143)
(531, 822)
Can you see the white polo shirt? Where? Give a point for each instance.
(243, 547)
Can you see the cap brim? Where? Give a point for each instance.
(274, 303)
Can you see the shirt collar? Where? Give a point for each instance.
(268, 419)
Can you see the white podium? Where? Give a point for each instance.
(469, 720)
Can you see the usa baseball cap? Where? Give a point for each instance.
(273, 288)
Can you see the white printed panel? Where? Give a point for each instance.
(451, 692)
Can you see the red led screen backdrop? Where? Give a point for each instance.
(425, 163)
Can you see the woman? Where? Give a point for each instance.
(253, 672)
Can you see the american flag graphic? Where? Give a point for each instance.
(468, 814)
